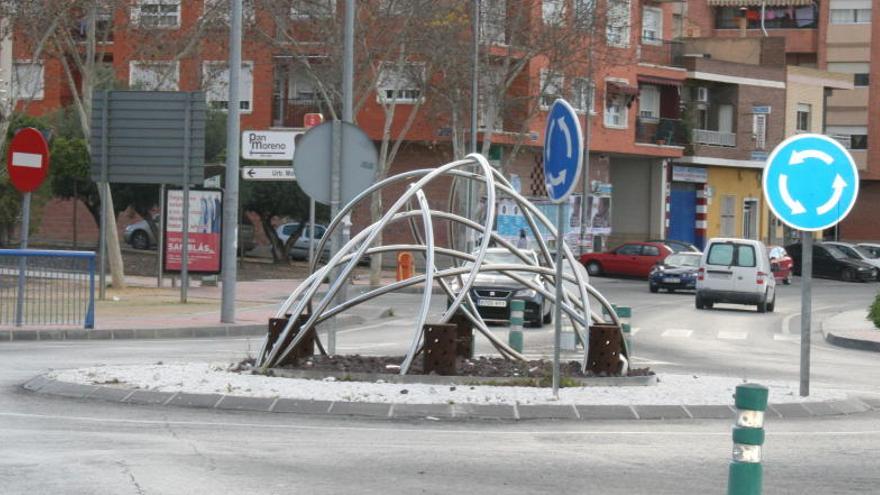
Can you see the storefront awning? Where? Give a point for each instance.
(758, 3)
(622, 89)
(660, 81)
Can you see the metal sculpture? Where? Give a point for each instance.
(412, 206)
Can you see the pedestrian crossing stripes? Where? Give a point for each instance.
(729, 335)
(677, 333)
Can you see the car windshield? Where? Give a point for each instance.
(836, 252)
(848, 251)
(682, 260)
(866, 252)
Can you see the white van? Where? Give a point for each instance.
(736, 271)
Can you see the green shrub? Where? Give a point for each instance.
(874, 311)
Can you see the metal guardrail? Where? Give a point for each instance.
(47, 287)
(714, 138)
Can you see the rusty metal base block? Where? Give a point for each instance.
(464, 347)
(440, 348)
(605, 348)
(306, 346)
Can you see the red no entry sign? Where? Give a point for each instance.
(28, 160)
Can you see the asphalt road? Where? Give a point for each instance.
(52, 445)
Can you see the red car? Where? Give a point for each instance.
(633, 258)
(781, 263)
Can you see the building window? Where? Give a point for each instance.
(615, 111)
(552, 85)
(652, 26)
(728, 216)
(27, 81)
(649, 103)
(803, 117)
(858, 142)
(851, 16)
(583, 95)
(215, 80)
(153, 76)
(584, 14)
(156, 13)
(782, 17)
(305, 9)
(219, 10)
(553, 11)
(759, 130)
(617, 23)
(861, 79)
(400, 83)
(851, 137)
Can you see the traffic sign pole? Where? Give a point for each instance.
(557, 331)
(806, 308)
(22, 263)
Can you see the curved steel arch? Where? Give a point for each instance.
(411, 206)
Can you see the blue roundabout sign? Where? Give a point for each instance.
(563, 150)
(811, 182)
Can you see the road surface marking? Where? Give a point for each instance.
(677, 333)
(786, 338)
(730, 335)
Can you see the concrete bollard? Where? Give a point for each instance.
(746, 475)
(515, 336)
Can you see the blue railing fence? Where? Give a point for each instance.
(47, 287)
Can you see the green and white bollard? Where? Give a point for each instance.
(515, 336)
(746, 475)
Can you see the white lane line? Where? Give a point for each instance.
(786, 338)
(731, 335)
(682, 333)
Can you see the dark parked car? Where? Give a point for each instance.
(677, 272)
(678, 246)
(139, 235)
(830, 262)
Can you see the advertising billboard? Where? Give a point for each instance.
(205, 230)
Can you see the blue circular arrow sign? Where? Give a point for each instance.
(811, 182)
(563, 151)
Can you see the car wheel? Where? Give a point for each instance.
(653, 288)
(709, 304)
(548, 318)
(848, 275)
(594, 268)
(698, 302)
(762, 306)
(140, 240)
(772, 305)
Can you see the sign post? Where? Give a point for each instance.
(27, 163)
(563, 159)
(811, 183)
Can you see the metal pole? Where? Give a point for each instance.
(806, 308)
(336, 241)
(348, 64)
(102, 239)
(475, 103)
(557, 307)
(230, 198)
(22, 262)
(160, 248)
(311, 232)
(184, 254)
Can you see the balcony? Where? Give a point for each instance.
(661, 52)
(714, 138)
(663, 132)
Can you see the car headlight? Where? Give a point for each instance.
(526, 293)
(129, 228)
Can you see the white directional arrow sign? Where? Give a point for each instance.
(559, 179)
(798, 157)
(796, 206)
(268, 173)
(839, 185)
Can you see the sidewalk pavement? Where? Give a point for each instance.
(851, 329)
(143, 310)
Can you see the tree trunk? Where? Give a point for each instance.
(277, 246)
(376, 258)
(114, 254)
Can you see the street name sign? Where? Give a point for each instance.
(268, 173)
(811, 182)
(563, 151)
(268, 145)
(27, 160)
